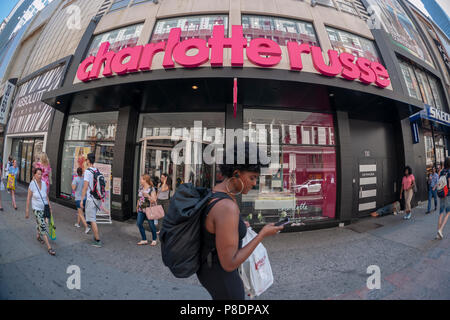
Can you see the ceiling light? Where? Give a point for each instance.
(194, 87)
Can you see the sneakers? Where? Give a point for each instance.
(77, 225)
(440, 236)
(87, 230)
(407, 216)
(97, 244)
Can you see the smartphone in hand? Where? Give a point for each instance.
(283, 222)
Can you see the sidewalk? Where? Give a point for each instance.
(323, 264)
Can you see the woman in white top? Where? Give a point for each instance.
(37, 194)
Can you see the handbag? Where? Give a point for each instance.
(155, 212)
(11, 182)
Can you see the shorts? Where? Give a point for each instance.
(91, 210)
(78, 203)
(444, 205)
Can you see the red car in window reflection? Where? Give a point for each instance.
(309, 187)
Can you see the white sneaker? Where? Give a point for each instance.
(440, 235)
(77, 225)
(87, 230)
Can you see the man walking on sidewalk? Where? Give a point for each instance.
(92, 204)
(432, 192)
(444, 211)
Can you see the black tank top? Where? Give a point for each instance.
(209, 239)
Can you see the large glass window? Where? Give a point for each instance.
(118, 39)
(183, 145)
(429, 150)
(279, 30)
(300, 181)
(410, 80)
(191, 27)
(424, 87)
(347, 42)
(86, 133)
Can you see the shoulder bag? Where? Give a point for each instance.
(154, 212)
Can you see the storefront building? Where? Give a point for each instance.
(154, 87)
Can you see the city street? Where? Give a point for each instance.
(324, 264)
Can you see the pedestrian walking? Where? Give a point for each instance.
(92, 204)
(223, 230)
(146, 198)
(164, 189)
(2, 186)
(37, 194)
(444, 210)
(408, 183)
(44, 165)
(432, 181)
(12, 181)
(77, 187)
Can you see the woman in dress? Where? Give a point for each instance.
(13, 172)
(44, 165)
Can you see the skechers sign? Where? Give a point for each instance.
(438, 115)
(261, 52)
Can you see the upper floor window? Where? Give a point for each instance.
(280, 30)
(351, 43)
(327, 3)
(410, 80)
(191, 27)
(347, 6)
(118, 39)
(119, 4)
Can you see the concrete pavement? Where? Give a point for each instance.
(323, 264)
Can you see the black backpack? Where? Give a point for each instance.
(99, 189)
(181, 232)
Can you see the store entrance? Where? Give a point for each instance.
(157, 157)
(26, 151)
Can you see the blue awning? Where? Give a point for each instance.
(433, 114)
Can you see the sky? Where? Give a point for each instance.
(5, 8)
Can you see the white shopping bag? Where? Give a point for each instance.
(256, 272)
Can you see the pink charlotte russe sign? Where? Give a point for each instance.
(261, 52)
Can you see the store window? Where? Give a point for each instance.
(183, 145)
(347, 42)
(118, 39)
(410, 80)
(26, 151)
(300, 181)
(429, 150)
(279, 30)
(86, 133)
(191, 27)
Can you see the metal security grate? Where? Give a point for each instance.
(103, 9)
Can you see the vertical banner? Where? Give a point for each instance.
(6, 102)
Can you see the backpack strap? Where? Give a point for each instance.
(216, 196)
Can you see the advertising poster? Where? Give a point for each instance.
(105, 170)
(79, 159)
(398, 24)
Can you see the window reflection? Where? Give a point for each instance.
(300, 181)
(279, 30)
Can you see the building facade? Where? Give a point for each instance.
(340, 99)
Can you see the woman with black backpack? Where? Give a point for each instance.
(223, 230)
